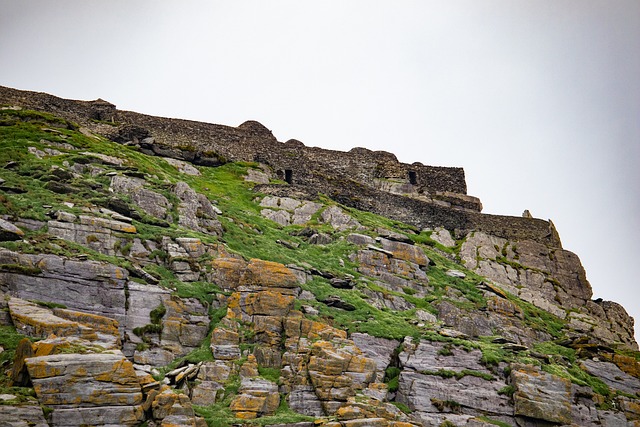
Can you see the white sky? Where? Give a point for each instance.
(538, 100)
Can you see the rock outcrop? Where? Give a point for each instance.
(171, 273)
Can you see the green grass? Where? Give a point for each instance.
(446, 373)
(494, 422)
(552, 348)
(9, 339)
(249, 234)
(384, 323)
(271, 374)
(578, 376)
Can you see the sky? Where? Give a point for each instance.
(538, 100)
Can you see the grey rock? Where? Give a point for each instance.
(337, 302)
(435, 356)
(206, 393)
(286, 203)
(360, 239)
(379, 349)
(36, 152)
(109, 160)
(195, 211)
(310, 310)
(425, 316)
(65, 216)
(302, 424)
(303, 400)
(456, 273)
(151, 202)
(29, 224)
(100, 285)
(183, 167)
(97, 222)
(392, 235)
(22, 416)
(216, 371)
(303, 213)
(541, 395)
(98, 238)
(225, 352)
(9, 232)
(377, 249)
(562, 266)
(474, 395)
(307, 296)
(104, 379)
(442, 236)
(320, 239)
(338, 219)
(281, 217)
(612, 376)
(154, 357)
(107, 416)
(259, 177)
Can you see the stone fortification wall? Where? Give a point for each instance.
(425, 196)
(249, 142)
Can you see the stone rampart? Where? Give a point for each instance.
(424, 196)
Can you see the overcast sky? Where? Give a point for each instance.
(539, 101)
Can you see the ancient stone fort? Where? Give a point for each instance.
(374, 181)
(137, 289)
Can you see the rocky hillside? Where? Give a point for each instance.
(165, 272)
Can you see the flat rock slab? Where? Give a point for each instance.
(103, 416)
(8, 231)
(22, 416)
(612, 376)
(85, 380)
(435, 356)
(420, 391)
(541, 395)
(40, 322)
(184, 167)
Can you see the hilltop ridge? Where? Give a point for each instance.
(187, 273)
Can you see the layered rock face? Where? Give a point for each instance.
(148, 278)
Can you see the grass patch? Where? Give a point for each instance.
(271, 374)
(446, 373)
(579, 377)
(494, 422)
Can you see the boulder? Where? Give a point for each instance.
(8, 231)
(195, 211)
(360, 239)
(442, 236)
(151, 202)
(267, 274)
(183, 167)
(405, 252)
(338, 219)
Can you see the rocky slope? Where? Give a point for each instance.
(164, 272)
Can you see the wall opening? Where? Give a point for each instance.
(288, 176)
(413, 178)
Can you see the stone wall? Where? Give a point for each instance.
(425, 196)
